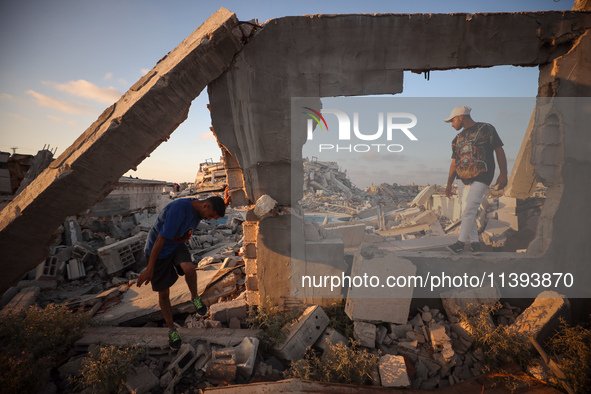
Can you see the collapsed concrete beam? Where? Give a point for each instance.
(122, 136)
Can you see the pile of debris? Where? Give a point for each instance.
(93, 261)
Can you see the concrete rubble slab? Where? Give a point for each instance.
(393, 371)
(423, 197)
(332, 336)
(156, 338)
(123, 135)
(225, 311)
(142, 302)
(542, 316)
(447, 207)
(302, 333)
(365, 334)
(367, 303)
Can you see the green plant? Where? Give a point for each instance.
(500, 344)
(338, 364)
(272, 320)
(338, 319)
(32, 340)
(105, 370)
(570, 347)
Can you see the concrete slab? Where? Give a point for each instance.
(367, 303)
(365, 334)
(423, 197)
(143, 301)
(393, 371)
(302, 334)
(542, 316)
(156, 338)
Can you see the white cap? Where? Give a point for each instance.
(457, 111)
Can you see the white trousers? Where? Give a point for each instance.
(470, 199)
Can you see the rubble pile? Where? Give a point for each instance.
(93, 261)
(327, 189)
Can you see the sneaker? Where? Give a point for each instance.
(458, 247)
(199, 305)
(475, 248)
(174, 340)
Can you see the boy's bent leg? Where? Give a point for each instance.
(166, 308)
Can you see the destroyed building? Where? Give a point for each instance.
(253, 72)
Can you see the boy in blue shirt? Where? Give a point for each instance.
(168, 255)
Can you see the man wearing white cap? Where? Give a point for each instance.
(473, 162)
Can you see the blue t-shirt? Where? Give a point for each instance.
(174, 223)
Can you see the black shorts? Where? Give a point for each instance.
(168, 269)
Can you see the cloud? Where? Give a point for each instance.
(62, 106)
(6, 96)
(72, 123)
(56, 119)
(88, 90)
(108, 76)
(123, 81)
(19, 117)
(207, 136)
(145, 71)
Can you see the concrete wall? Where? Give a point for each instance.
(129, 195)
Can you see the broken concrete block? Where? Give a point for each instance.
(542, 316)
(225, 311)
(423, 197)
(381, 333)
(472, 299)
(330, 335)
(75, 269)
(246, 353)
(119, 255)
(303, 333)
(72, 231)
(400, 330)
(141, 380)
(48, 269)
(311, 232)
(393, 371)
(367, 303)
(264, 205)
(365, 334)
(438, 336)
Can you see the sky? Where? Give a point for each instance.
(65, 61)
